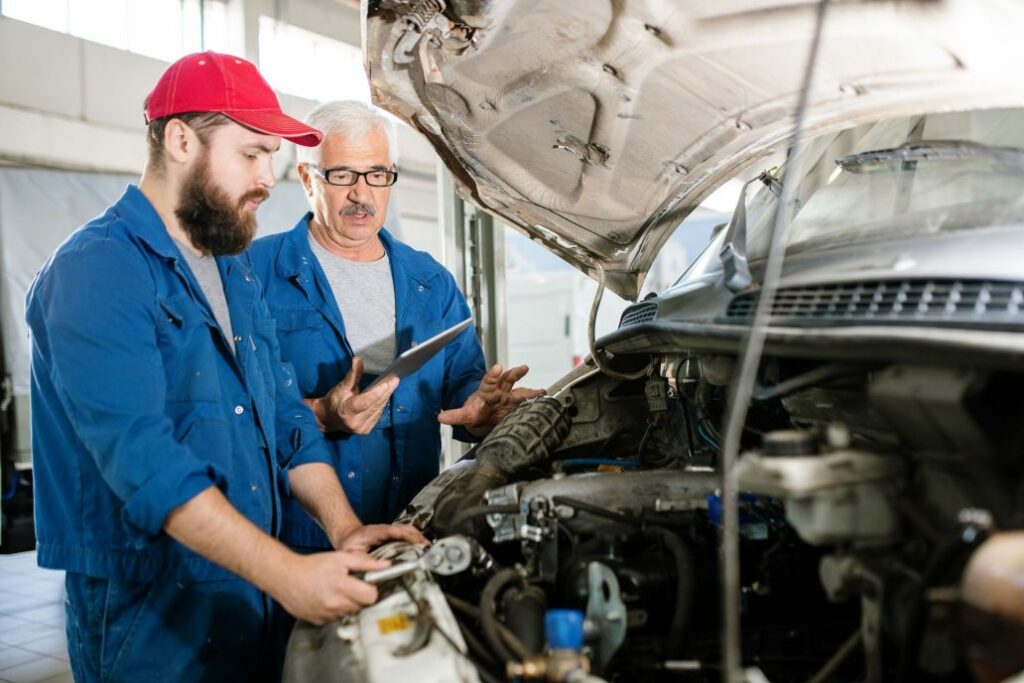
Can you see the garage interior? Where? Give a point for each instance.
(839, 505)
(72, 136)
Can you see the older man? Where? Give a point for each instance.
(348, 297)
(163, 419)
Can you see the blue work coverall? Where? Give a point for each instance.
(138, 404)
(381, 471)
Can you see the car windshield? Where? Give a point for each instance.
(893, 180)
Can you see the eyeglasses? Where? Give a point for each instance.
(343, 177)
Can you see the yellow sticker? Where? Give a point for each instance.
(393, 623)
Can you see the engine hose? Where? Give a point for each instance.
(485, 660)
(466, 490)
(599, 360)
(598, 462)
(476, 647)
(473, 612)
(524, 610)
(527, 437)
(710, 434)
(683, 559)
(712, 431)
(513, 651)
(595, 510)
(644, 440)
(474, 511)
(822, 373)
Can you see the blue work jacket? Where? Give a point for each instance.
(311, 332)
(139, 403)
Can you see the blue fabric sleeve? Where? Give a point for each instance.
(98, 324)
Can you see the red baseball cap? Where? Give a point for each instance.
(229, 85)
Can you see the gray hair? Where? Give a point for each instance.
(351, 119)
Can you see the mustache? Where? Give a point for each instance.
(368, 209)
(261, 195)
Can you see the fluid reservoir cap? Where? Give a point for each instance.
(564, 629)
(789, 442)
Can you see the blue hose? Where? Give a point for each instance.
(711, 442)
(595, 462)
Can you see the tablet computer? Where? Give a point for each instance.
(410, 361)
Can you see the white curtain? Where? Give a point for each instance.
(40, 208)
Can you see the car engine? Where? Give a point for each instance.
(867, 489)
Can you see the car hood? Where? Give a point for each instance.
(596, 126)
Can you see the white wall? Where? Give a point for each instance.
(326, 17)
(56, 107)
(69, 103)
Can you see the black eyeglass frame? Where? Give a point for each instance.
(365, 175)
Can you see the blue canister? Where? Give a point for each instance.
(564, 629)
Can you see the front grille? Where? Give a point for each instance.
(638, 313)
(943, 302)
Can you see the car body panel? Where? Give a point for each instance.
(595, 127)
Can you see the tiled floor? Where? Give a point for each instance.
(33, 648)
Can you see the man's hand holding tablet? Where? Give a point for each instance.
(346, 408)
(413, 359)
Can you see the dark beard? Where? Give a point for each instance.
(213, 222)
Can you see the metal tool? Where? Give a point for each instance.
(445, 557)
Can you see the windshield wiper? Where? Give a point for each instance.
(735, 270)
(933, 150)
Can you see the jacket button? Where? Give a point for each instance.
(400, 408)
(239, 410)
(413, 344)
(351, 475)
(421, 288)
(237, 339)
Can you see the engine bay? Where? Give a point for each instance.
(866, 488)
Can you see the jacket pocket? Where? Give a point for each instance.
(291, 319)
(302, 334)
(188, 343)
(210, 440)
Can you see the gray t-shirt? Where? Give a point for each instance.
(205, 270)
(366, 298)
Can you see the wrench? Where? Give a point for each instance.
(447, 556)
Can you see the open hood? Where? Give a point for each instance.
(596, 126)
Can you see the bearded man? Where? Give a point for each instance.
(165, 426)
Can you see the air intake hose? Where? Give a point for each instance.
(527, 437)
